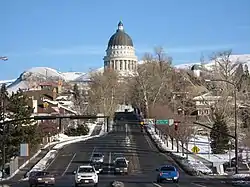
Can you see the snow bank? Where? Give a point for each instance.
(189, 162)
(42, 164)
(241, 176)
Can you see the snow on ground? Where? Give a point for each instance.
(190, 162)
(43, 163)
(241, 176)
(202, 142)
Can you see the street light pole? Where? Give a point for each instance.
(235, 121)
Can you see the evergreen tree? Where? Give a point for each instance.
(238, 77)
(3, 114)
(76, 92)
(246, 71)
(219, 139)
(25, 131)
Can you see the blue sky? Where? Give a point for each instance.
(73, 35)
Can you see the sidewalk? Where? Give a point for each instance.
(34, 161)
(186, 151)
(193, 163)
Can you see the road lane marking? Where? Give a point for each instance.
(69, 164)
(200, 185)
(149, 143)
(109, 163)
(156, 184)
(135, 156)
(92, 154)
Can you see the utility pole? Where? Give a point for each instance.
(235, 121)
(4, 134)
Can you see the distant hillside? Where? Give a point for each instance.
(46, 73)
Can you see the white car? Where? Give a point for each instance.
(120, 158)
(97, 157)
(86, 175)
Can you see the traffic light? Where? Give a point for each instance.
(176, 123)
(176, 126)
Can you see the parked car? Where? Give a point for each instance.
(41, 178)
(167, 173)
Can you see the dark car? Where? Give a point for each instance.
(121, 166)
(41, 178)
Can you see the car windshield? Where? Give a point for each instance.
(167, 168)
(97, 155)
(85, 170)
(121, 163)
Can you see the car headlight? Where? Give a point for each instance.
(39, 179)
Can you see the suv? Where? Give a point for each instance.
(97, 157)
(86, 176)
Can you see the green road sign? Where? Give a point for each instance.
(162, 122)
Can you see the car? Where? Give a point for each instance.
(121, 166)
(167, 173)
(120, 158)
(86, 175)
(97, 157)
(41, 178)
(98, 166)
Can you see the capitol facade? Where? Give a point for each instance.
(120, 53)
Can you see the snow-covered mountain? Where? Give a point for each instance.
(24, 81)
(245, 59)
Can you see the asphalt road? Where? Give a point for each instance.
(126, 140)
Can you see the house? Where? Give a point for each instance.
(204, 103)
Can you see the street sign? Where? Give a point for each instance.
(195, 149)
(171, 122)
(24, 149)
(162, 122)
(149, 121)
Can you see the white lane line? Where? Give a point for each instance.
(156, 184)
(92, 154)
(54, 159)
(200, 185)
(69, 164)
(149, 143)
(109, 162)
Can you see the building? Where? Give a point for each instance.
(196, 69)
(205, 102)
(120, 53)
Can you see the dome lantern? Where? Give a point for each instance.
(120, 26)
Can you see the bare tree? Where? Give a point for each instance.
(224, 67)
(152, 80)
(104, 92)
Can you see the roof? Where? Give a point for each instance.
(86, 166)
(195, 67)
(207, 97)
(120, 38)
